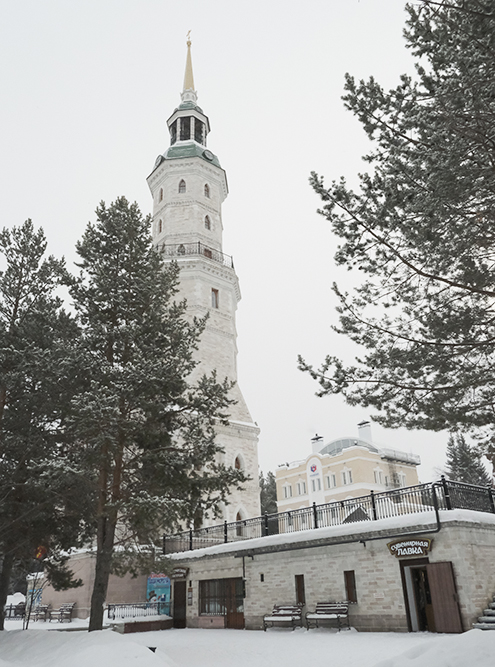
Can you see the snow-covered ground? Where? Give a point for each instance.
(240, 648)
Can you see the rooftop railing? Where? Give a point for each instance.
(444, 495)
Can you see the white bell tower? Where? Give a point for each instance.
(188, 186)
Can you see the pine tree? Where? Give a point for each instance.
(420, 229)
(268, 493)
(464, 462)
(147, 433)
(40, 496)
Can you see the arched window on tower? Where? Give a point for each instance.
(160, 198)
(160, 226)
(240, 527)
(182, 187)
(207, 190)
(238, 463)
(207, 223)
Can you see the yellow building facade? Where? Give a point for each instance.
(344, 468)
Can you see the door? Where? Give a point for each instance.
(179, 604)
(234, 603)
(444, 597)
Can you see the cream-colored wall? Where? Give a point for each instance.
(359, 460)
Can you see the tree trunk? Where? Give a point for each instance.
(8, 561)
(104, 551)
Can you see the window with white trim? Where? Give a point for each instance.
(346, 476)
(287, 491)
(378, 476)
(301, 488)
(182, 187)
(331, 480)
(214, 298)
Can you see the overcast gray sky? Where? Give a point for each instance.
(86, 87)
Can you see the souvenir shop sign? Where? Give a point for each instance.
(179, 573)
(418, 547)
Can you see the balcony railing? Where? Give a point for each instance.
(196, 249)
(443, 495)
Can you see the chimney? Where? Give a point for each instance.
(316, 443)
(364, 430)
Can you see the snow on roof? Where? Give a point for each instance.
(423, 519)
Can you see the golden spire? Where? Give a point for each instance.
(188, 76)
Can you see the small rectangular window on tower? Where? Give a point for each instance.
(214, 298)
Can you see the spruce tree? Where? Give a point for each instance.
(40, 493)
(146, 432)
(268, 493)
(464, 462)
(420, 230)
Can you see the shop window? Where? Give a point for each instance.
(221, 597)
(207, 190)
(214, 298)
(207, 223)
(350, 586)
(300, 592)
(182, 187)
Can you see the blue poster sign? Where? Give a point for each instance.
(158, 591)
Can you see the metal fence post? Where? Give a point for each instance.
(190, 540)
(490, 496)
(266, 525)
(315, 515)
(225, 532)
(373, 504)
(446, 493)
(164, 548)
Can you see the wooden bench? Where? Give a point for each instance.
(63, 613)
(284, 614)
(40, 612)
(328, 612)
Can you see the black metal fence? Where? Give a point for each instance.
(443, 495)
(197, 248)
(137, 610)
(15, 611)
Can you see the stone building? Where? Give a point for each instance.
(343, 468)
(188, 186)
(408, 573)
